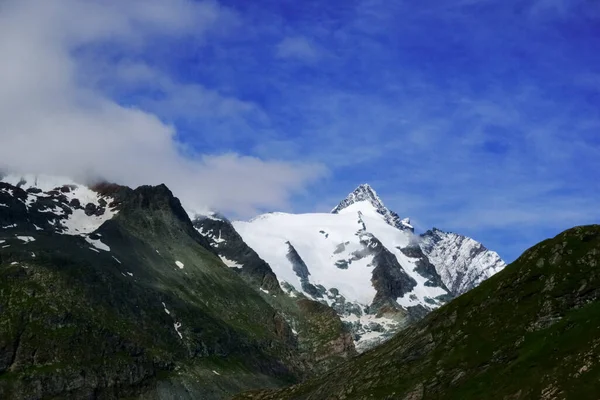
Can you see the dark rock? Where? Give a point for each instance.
(75, 203)
(90, 209)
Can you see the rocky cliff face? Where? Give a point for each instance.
(461, 262)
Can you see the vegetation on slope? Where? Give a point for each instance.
(531, 331)
(81, 322)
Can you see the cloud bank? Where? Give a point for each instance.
(56, 119)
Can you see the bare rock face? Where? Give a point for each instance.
(461, 262)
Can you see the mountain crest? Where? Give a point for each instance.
(365, 193)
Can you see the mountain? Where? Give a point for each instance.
(110, 292)
(323, 339)
(529, 332)
(365, 193)
(461, 262)
(362, 260)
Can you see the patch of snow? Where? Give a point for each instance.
(166, 310)
(177, 325)
(130, 274)
(230, 263)
(79, 223)
(4, 247)
(215, 372)
(93, 249)
(116, 259)
(26, 239)
(179, 264)
(37, 228)
(97, 243)
(33, 255)
(264, 291)
(3, 205)
(9, 226)
(2, 241)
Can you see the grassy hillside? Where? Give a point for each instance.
(530, 332)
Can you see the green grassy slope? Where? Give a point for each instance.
(530, 332)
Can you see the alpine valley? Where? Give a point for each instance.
(111, 292)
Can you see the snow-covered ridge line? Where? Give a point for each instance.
(71, 208)
(365, 193)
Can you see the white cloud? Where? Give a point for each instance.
(297, 47)
(53, 121)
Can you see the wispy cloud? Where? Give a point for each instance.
(297, 47)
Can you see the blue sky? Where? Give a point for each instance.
(479, 117)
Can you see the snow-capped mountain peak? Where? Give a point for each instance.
(365, 194)
(362, 260)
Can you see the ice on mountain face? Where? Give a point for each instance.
(272, 235)
(369, 330)
(461, 262)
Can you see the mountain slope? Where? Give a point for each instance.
(323, 340)
(110, 292)
(530, 331)
(461, 262)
